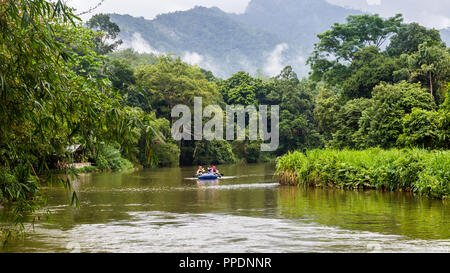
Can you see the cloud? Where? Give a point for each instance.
(203, 61)
(245, 63)
(192, 58)
(139, 44)
(374, 2)
(432, 20)
(301, 57)
(274, 62)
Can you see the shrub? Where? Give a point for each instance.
(213, 152)
(426, 129)
(423, 172)
(167, 154)
(110, 158)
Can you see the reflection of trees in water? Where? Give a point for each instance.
(205, 194)
(249, 170)
(393, 212)
(107, 197)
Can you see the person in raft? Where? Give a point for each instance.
(216, 171)
(200, 171)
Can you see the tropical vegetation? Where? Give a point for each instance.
(423, 172)
(375, 84)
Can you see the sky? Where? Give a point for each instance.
(150, 8)
(430, 13)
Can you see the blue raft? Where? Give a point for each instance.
(208, 177)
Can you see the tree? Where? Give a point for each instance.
(431, 65)
(298, 129)
(106, 31)
(132, 58)
(213, 152)
(241, 89)
(337, 47)
(446, 104)
(123, 80)
(248, 150)
(426, 129)
(285, 89)
(121, 75)
(209, 75)
(37, 91)
(347, 123)
(327, 104)
(170, 82)
(49, 102)
(381, 123)
(409, 37)
(243, 94)
(167, 154)
(369, 68)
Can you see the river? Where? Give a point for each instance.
(164, 210)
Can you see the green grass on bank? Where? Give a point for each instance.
(108, 159)
(423, 172)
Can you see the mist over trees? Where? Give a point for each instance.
(268, 36)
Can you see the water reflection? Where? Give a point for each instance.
(206, 194)
(204, 183)
(384, 212)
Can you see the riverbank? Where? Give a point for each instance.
(96, 169)
(423, 172)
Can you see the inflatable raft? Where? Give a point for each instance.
(208, 177)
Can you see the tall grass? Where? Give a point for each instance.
(420, 171)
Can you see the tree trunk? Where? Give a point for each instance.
(431, 85)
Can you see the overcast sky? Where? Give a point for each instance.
(150, 8)
(430, 13)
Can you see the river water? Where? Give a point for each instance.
(164, 210)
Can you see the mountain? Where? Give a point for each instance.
(204, 36)
(294, 20)
(269, 35)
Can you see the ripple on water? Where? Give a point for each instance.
(168, 188)
(170, 232)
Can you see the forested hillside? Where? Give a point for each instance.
(267, 37)
(205, 36)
